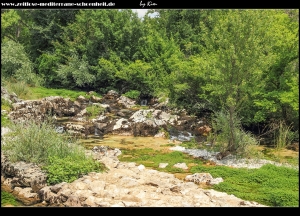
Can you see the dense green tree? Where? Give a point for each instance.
(184, 27)
(243, 61)
(107, 74)
(238, 52)
(15, 63)
(184, 83)
(10, 24)
(279, 98)
(76, 73)
(15, 25)
(47, 27)
(138, 76)
(95, 36)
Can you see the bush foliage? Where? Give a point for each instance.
(62, 157)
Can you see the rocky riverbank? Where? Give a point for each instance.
(230, 160)
(123, 185)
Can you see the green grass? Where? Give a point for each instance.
(139, 107)
(169, 144)
(5, 105)
(41, 92)
(152, 158)
(291, 160)
(192, 144)
(94, 110)
(20, 88)
(133, 94)
(26, 92)
(5, 121)
(273, 154)
(269, 185)
(70, 168)
(9, 199)
(31, 142)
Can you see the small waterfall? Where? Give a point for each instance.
(59, 129)
(143, 102)
(97, 132)
(182, 136)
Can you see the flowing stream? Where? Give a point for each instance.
(131, 142)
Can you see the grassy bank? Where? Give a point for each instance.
(26, 92)
(269, 185)
(62, 157)
(8, 200)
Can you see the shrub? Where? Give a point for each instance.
(149, 115)
(225, 133)
(70, 168)
(20, 88)
(31, 142)
(167, 134)
(283, 134)
(5, 105)
(15, 63)
(94, 110)
(5, 121)
(133, 94)
(62, 157)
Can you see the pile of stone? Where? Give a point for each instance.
(122, 184)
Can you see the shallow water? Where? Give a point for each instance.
(156, 143)
(128, 142)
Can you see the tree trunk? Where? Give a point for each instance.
(231, 143)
